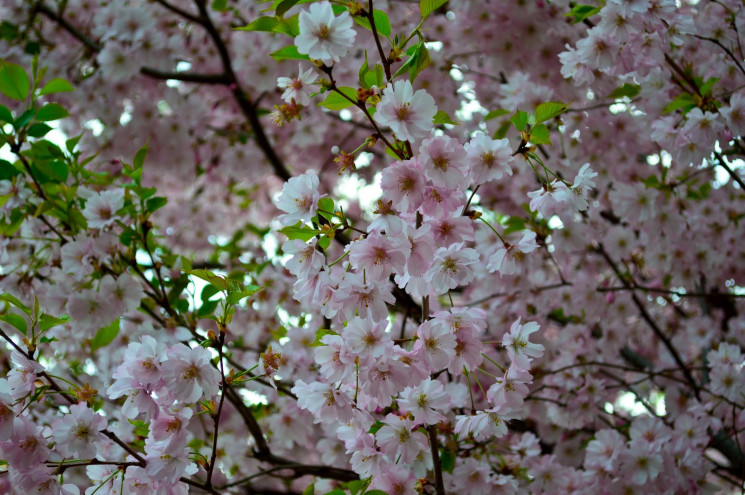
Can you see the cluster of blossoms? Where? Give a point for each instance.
(160, 383)
(395, 343)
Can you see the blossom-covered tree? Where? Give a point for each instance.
(382, 247)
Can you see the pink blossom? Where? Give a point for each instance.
(299, 199)
(299, 88)
(366, 338)
(397, 438)
(519, 348)
(506, 260)
(78, 434)
(380, 255)
(442, 159)
(169, 462)
(306, 261)
(326, 402)
(189, 374)
(100, 209)
(324, 36)
(23, 375)
(436, 344)
(487, 159)
(423, 400)
(452, 267)
(403, 183)
(409, 114)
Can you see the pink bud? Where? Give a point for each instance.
(610, 297)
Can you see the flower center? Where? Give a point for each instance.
(323, 33)
(403, 112)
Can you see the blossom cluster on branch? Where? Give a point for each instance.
(383, 247)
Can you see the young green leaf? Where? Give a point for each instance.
(335, 101)
(549, 110)
(56, 85)
(288, 53)
(50, 112)
(581, 12)
(300, 231)
(48, 321)
(14, 82)
(442, 117)
(495, 113)
(540, 134)
(264, 23)
(628, 90)
(520, 120)
(105, 335)
(18, 321)
(5, 115)
(426, 7)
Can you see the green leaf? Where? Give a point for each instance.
(502, 130)
(48, 321)
(288, 53)
(264, 23)
(376, 492)
(581, 12)
(335, 492)
(208, 291)
(5, 115)
(284, 6)
(419, 61)
(495, 113)
(513, 224)
(139, 159)
(18, 321)
(105, 335)
(324, 242)
(327, 205)
(53, 170)
(142, 428)
(426, 7)
(56, 85)
(357, 485)
(447, 460)
(14, 82)
(382, 23)
(206, 275)
(540, 134)
(155, 203)
(627, 90)
(235, 297)
(549, 110)
(683, 101)
(322, 332)
(38, 130)
(442, 117)
(300, 231)
(520, 120)
(220, 5)
(335, 101)
(706, 87)
(310, 489)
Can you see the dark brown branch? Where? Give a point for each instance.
(729, 170)
(179, 11)
(726, 50)
(185, 76)
(648, 319)
(439, 484)
(245, 104)
(383, 58)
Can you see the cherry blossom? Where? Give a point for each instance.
(324, 36)
(409, 114)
